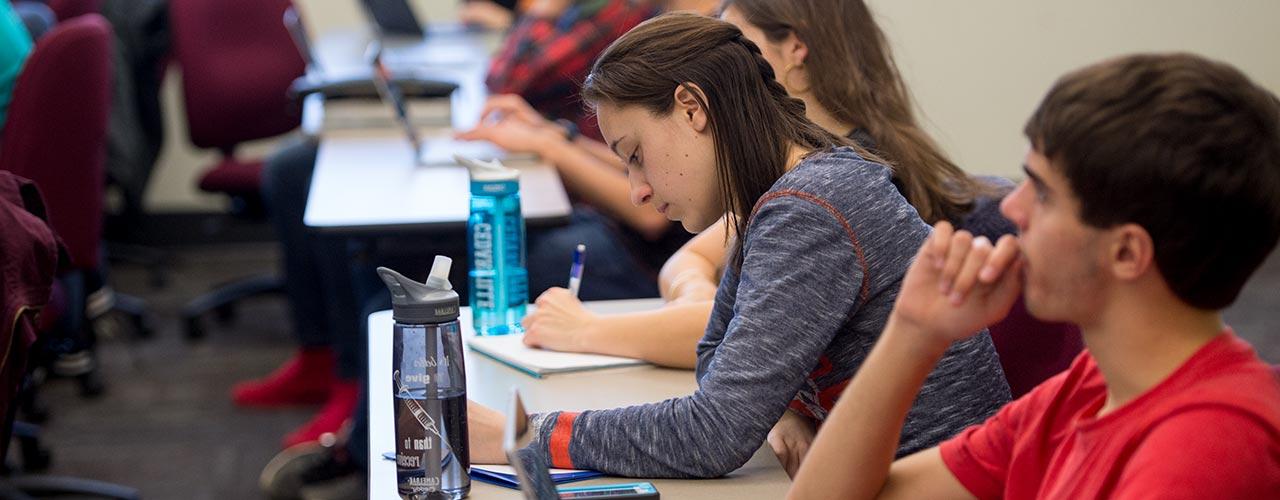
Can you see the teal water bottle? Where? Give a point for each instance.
(499, 281)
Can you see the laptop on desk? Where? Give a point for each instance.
(393, 19)
(434, 151)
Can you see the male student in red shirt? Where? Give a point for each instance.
(1152, 193)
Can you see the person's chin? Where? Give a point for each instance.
(693, 225)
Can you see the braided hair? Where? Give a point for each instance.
(752, 119)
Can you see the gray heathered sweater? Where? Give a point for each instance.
(824, 257)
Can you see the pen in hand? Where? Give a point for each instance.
(575, 272)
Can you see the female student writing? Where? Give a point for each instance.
(857, 93)
(706, 130)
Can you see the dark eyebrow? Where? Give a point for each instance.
(613, 146)
(1035, 179)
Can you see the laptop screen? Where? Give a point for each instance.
(393, 18)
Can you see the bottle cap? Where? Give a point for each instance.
(487, 171)
(432, 302)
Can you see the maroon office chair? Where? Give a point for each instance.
(237, 63)
(1031, 350)
(54, 135)
(67, 9)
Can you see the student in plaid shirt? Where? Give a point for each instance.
(547, 54)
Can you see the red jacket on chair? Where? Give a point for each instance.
(29, 257)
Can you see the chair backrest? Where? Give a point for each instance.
(55, 133)
(67, 9)
(237, 63)
(1031, 350)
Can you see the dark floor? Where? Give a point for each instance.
(167, 426)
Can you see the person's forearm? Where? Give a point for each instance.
(699, 259)
(667, 336)
(603, 187)
(852, 453)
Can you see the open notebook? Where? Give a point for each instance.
(511, 351)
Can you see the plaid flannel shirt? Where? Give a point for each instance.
(545, 60)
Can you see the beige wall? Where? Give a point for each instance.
(977, 67)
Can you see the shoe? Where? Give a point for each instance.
(305, 379)
(281, 479)
(353, 486)
(311, 471)
(336, 411)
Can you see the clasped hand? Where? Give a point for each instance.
(959, 284)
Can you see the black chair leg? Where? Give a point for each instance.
(222, 301)
(62, 485)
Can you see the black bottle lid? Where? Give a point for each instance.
(432, 302)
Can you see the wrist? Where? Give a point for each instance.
(568, 129)
(921, 340)
(584, 337)
(552, 147)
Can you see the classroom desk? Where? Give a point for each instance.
(448, 53)
(365, 183)
(490, 383)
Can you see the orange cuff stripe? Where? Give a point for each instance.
(561, 434)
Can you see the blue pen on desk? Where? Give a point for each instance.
(575, 272)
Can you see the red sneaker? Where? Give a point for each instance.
(306, 378)
(340, 406)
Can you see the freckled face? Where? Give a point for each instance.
(669, 163)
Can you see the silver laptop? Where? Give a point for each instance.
(432, 151)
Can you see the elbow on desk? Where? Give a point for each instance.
(717, 458)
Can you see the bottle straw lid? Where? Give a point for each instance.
(418, 303)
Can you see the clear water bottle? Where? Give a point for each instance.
(495, 249)
(428, 380)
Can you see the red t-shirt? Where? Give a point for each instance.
(1209, 430)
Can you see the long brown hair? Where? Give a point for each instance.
(860, 85)
(752, 120)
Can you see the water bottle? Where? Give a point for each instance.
(429, 382)
(495, 249)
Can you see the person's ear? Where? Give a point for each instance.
(1132, 252)
(688, 107)
(794, 50)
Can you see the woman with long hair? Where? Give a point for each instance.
(822, 239)
(858, 93)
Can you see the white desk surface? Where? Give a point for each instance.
(366, 182)
(489, 383)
